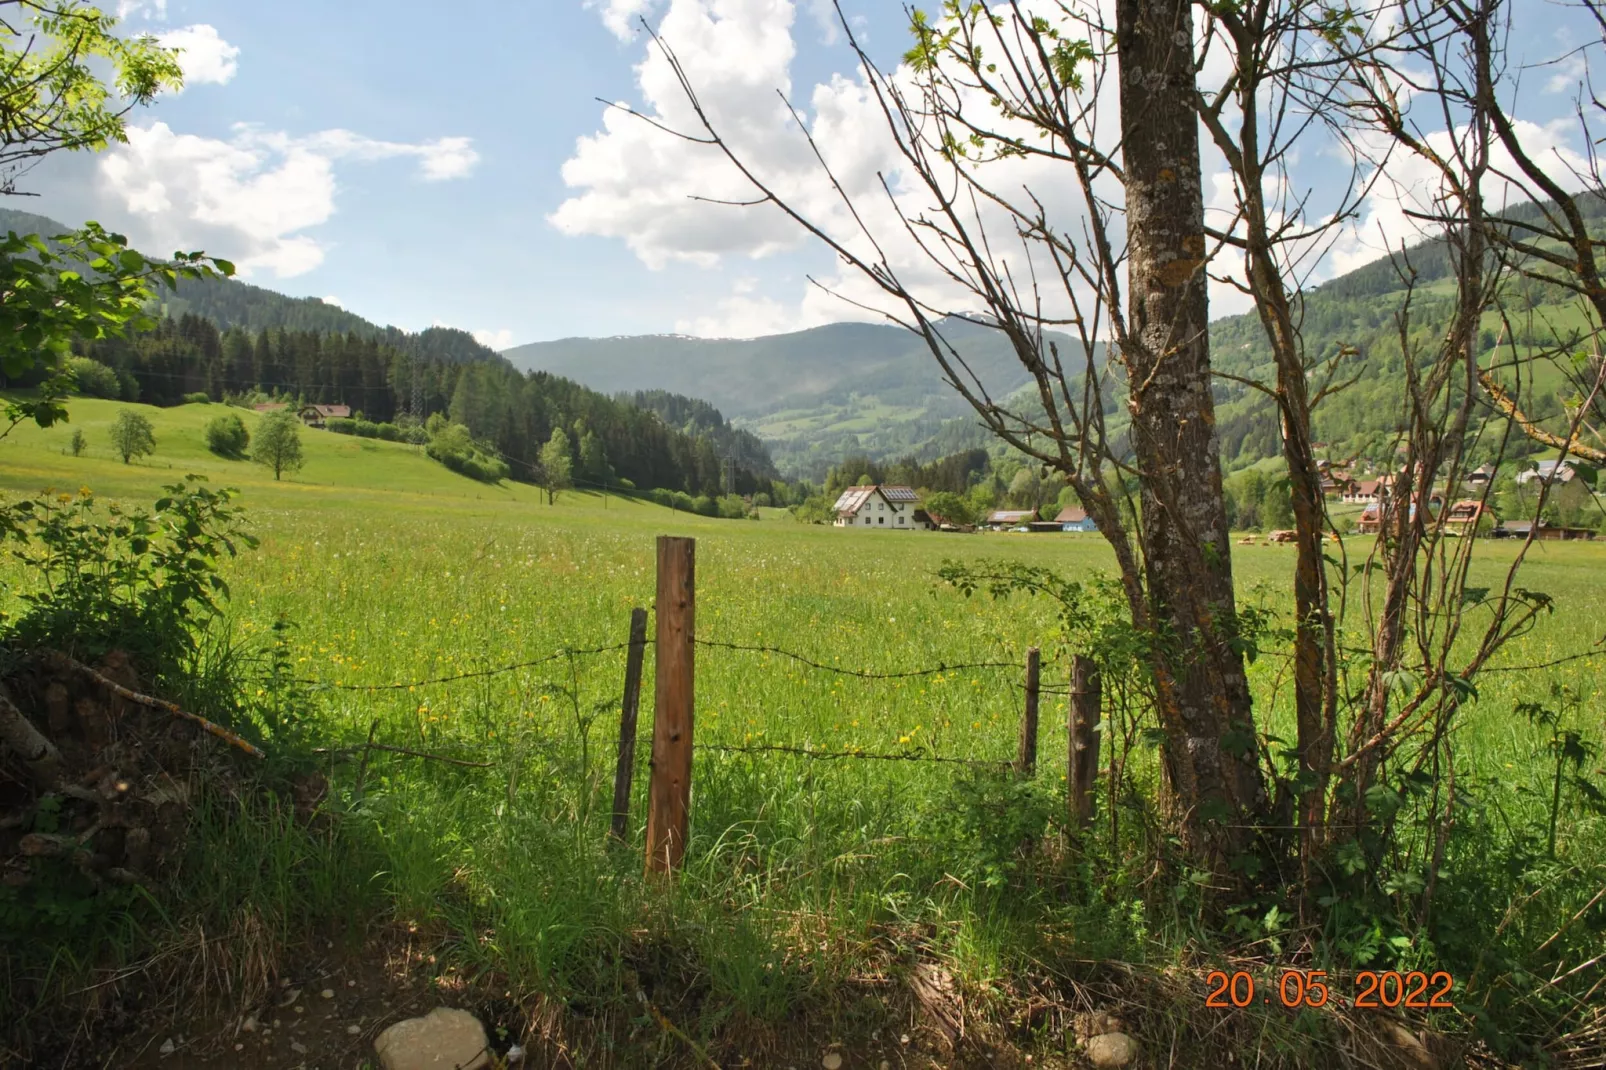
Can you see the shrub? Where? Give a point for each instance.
(77, 442)
(199, 397)
(93, 379)
(145, 582)
(453, 446)
(226, 435)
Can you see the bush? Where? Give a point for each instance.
(142, 582)
(199, 397)
(368, 429)
(226, 435)
(732, 507)
(77, 442)
(453, 446)
(93, 379)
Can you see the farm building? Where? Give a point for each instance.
(881, 506)
(1004, 519)
(1520, 529)
(1075, 518)
(315, 415)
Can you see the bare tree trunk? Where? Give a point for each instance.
(1204, 697)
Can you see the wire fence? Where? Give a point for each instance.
(789, 749)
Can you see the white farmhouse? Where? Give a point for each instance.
(883, 507)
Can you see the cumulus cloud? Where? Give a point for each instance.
(497, 340)
(250, 198)
(824, 14)
(620, 16)
(658, 194)
(150, 9)
(337, 302)
(203, 55)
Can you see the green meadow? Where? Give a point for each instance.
(378, 567)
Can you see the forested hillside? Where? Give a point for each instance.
(225, 338)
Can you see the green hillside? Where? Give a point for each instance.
(342, 472)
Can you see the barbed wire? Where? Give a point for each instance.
(865, 674)
(824, 755)
(475, 674)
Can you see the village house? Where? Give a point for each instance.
(881, 506)
(1549, 472)
(1075, 518)
(1466, 515)
(1363, 491)
(1372, 517)
(1480, 477)
(315, 415)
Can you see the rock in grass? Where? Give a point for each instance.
(1411, 1046)
(1110, 1051)
(444, 1039)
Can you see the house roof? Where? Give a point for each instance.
(1071, 514)
(337, 411)
(1368, 486)
(1467, 510)
(854, 497)
(1010, 516)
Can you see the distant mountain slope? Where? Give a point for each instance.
(812, 395)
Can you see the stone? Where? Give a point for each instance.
(168, 1047)
(298, 1047)
(1095, 1024)
(353, 1030)
(1411, 1046)
(250, 1024)
(444, 1039)
(832, 1061)
(328, 993)
(1110, 1051)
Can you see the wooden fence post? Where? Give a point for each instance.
(1086, 699)
(669, 788)
(627, 723)
(1026, 757)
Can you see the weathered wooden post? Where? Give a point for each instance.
(1086, 700)
(669, 787)
(1026, 756)
(627, 723)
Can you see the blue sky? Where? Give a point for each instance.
(426, 169)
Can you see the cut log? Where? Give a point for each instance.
(38, 754)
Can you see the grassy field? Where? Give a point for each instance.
(804, 877)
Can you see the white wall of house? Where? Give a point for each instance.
(877, 513)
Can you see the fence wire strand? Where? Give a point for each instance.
(838, 755)
(863, 674)
(567, 652)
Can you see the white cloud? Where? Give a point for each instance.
(204, 56)
(337, 302)
(620, 16)
(497, 340)
(1569, 75)
(251, 197)
(824, 13)
(150, 9)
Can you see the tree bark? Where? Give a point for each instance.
(1213, 781)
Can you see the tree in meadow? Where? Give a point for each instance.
(132, 435)
(277, 443)
(557, 467)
